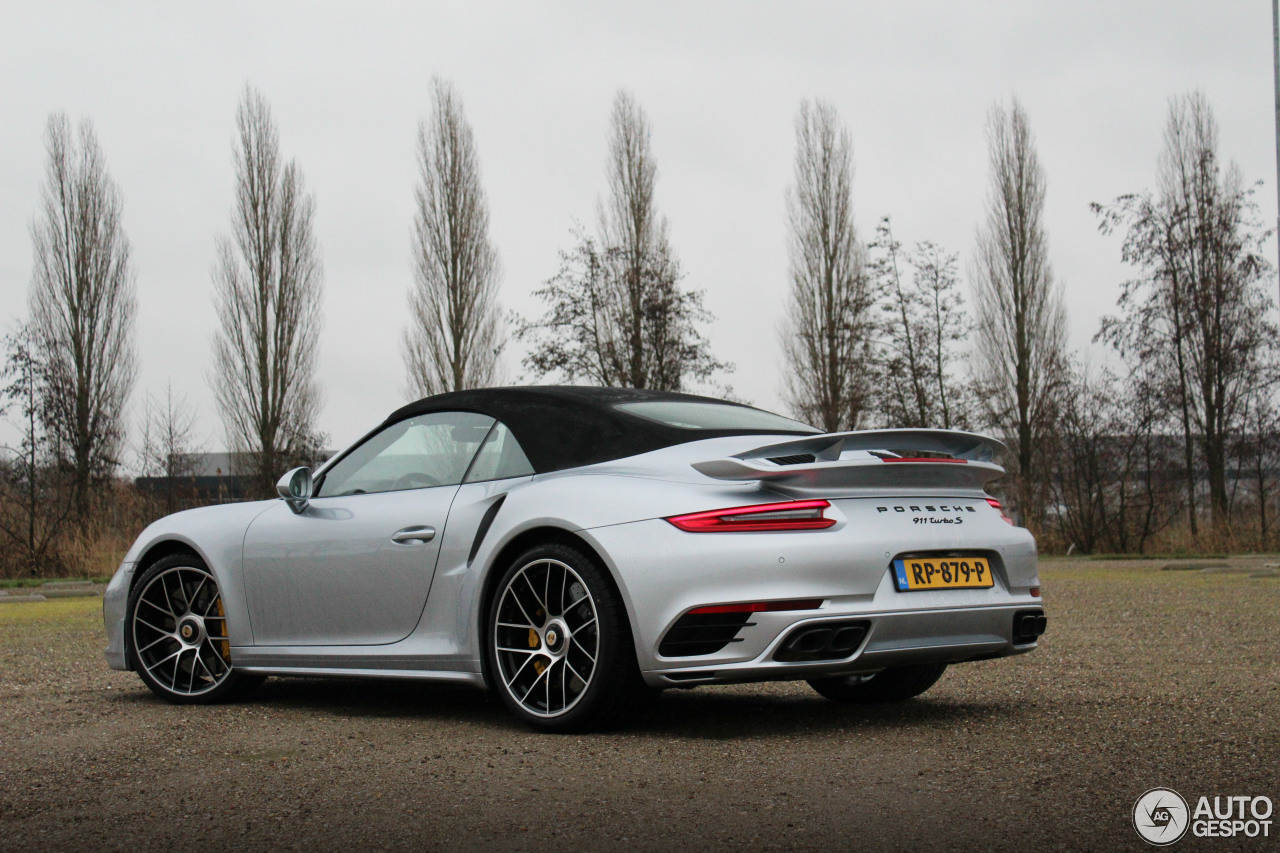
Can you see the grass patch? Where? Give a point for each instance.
(24, 583)
(1185, 555)
(55, 611)
(1049, 574)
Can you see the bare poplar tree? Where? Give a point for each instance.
(167, 448)
(1020, 317)
(827, 333)
(617, 314)
(82, 303)
(1195, 320)
(268, 291)
(454, 337)
(646, 268)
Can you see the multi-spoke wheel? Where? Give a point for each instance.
(178, 637)
(559, 645)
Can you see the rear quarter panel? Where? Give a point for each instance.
(577, 502)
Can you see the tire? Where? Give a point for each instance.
(558, 644)
(896, 684)
(174, 595)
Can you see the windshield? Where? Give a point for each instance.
(712, 416)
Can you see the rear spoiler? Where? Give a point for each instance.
(959, 459)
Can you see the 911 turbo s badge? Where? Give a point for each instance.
(931, 514)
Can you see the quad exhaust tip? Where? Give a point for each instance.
(823, 641)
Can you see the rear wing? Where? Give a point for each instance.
(888, 457)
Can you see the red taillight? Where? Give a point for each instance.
(1035, 592)
(761, 606)
(788, 515)
(996, 504)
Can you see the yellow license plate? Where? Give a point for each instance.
(963, 572)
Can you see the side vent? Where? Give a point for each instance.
(483, 528)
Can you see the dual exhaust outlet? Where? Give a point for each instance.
(1028, 625)
(823, 641)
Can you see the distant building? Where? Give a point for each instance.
(212, 480)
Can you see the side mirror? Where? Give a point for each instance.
(295, 488)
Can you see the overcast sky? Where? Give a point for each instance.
(721, 83)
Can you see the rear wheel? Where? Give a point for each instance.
(895, 684)
(178, 639)
(559, 644)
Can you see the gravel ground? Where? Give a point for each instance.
(1145, 678)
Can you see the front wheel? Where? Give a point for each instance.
(559, 644)
(177, 632)
(895, 684)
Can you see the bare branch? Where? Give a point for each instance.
(35, 504)
(167, 449)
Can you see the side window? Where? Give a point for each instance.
(499, 458)
(416, 453)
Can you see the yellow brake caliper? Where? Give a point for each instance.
(538, 665)
(225, 644)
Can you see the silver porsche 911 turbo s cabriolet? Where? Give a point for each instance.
(575, 548)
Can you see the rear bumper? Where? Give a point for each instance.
(901, 638)
(663, 573)
(892, 639)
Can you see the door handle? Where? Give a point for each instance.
(416, 533)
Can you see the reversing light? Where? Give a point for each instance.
(996, 505)
(787, 515)
(761, 606)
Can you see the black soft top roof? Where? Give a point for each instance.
(567, 426)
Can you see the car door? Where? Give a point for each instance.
(355, 567)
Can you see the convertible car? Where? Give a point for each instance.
(574, 549)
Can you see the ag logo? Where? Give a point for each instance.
(1161, 816)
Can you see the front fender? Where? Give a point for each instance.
(216, 535)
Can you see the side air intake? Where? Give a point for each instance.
(702, 634)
